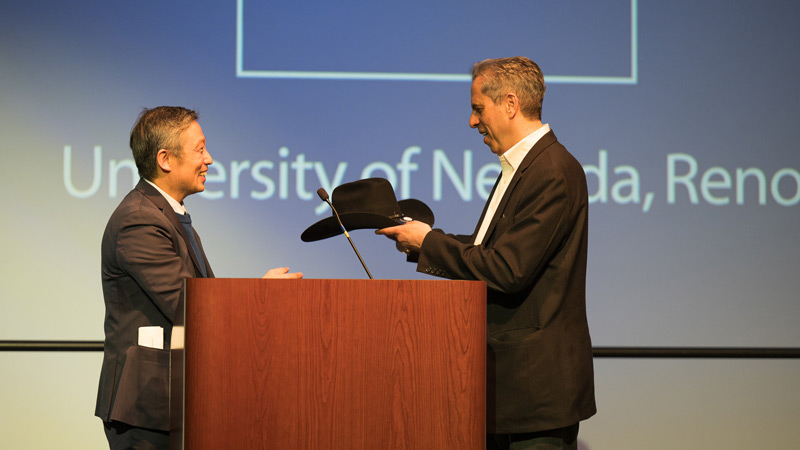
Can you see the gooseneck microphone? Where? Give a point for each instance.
(323, 195)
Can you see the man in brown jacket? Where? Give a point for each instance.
(530, 247)
(149, 247)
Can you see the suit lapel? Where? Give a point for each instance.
(548, 139)
(157, 199)
(486, 208)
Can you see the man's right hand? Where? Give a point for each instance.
(283, 272)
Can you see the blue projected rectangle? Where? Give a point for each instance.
(413, 34)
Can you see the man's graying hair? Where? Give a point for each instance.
(517, 74)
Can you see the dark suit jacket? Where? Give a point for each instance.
(145, 258)
(533, 259)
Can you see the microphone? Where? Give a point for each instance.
(323, 195)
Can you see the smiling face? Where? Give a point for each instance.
(491, 120)
(187, 172)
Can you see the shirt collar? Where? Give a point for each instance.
(516, 154)
(176, 206)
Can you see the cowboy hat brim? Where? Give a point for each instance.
(329, 226)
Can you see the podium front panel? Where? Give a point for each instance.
(331, 364)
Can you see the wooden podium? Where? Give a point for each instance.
(329, 365)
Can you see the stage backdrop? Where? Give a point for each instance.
(683, 114)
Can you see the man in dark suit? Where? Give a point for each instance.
(530, 248)
(149, 247)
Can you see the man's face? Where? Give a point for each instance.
(488, 118)
(189, 171)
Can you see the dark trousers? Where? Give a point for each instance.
(122, 436)
(559, 439)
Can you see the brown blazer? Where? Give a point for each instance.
(145, 258)
(533, 260)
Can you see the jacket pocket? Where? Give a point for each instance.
(512, 364)
(142, 394)
(511, 338)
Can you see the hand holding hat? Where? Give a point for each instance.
(408, 236)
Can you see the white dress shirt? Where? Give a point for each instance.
(509, 162)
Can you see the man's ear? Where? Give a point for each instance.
(511, 104)
(164, 158)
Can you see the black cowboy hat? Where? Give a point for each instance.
(368, 203)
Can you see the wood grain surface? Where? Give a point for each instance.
(334, 364)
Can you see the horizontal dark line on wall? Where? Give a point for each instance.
(598, 352)
(51, 346)
(697, 352)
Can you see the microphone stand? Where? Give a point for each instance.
(323, 195)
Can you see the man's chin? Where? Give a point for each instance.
(491, 144)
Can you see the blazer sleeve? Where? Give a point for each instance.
(529, 230)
